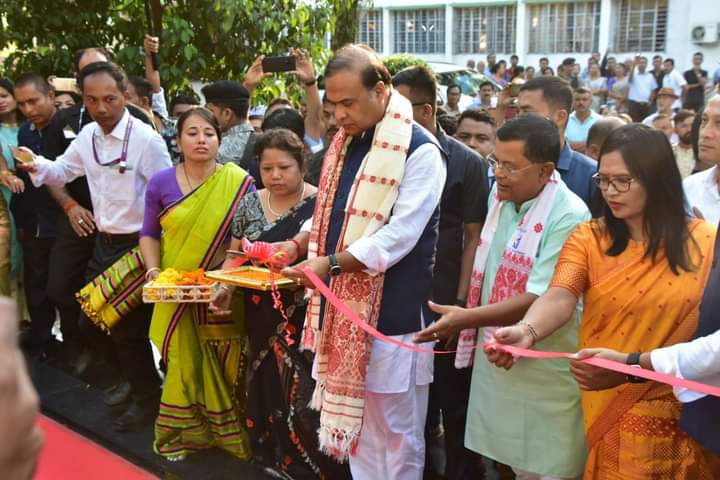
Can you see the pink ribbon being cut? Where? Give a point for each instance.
(518, 352)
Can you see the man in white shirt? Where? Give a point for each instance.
(702, 189)
(675, 80)
(118, 155)
(381, 425)
(642, 86)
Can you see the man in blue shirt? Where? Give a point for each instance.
(581, 119)
(552, 98)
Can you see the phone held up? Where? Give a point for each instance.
(278, 64)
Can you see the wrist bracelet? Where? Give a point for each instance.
(531, 329)
(297, 245)
(311, 82)
(150, 270)
(459, 302)
(69, 206)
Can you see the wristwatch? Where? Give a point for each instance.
(633, 360)
(335, 269)
(310, 83)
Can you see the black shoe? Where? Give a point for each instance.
(137, 415)
(117, 395)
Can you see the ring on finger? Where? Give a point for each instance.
(435, 335)
(81, 221)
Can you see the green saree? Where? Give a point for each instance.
(205, 355)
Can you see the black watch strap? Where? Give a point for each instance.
(335, 269)
(633, 359)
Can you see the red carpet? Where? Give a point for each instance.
(68, 455)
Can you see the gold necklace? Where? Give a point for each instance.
(302, 195)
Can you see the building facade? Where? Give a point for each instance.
(457, 30)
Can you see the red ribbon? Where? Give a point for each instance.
(519, 352)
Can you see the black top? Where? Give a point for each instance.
(314, 168)
(464, 200)
(658, 78)
(35, 211)
(695, 96)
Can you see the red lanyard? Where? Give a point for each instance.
(122, 161)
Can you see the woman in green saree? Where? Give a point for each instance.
(188, 216)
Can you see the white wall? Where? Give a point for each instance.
(682, 16)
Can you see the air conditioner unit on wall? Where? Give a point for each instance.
(704, 33)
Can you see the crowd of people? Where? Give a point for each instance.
(574, 212)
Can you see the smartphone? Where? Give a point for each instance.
(278, 64)
(22, 156)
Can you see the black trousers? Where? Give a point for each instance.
(68, 263)
(36, 267)
(638, 111)
(128, 346)
(450, 393)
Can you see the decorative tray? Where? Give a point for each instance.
(255, 278)
(177, 293)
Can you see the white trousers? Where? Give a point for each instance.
(392, 442)
(523, 475)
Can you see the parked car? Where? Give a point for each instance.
(469, 81)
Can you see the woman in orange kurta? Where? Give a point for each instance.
(642, 269)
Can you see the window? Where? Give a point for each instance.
(485, 29)
(564, 27)
(640, 25)
(419, 31)
(370, 31)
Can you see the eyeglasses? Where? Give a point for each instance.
(620, 184)
(504, 167)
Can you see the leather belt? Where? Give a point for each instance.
(118, 238)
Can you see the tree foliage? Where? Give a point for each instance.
(401, 61)
(200, 39)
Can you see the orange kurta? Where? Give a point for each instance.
(632, 304)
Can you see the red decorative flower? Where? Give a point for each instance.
(538, 227)
(256, 299)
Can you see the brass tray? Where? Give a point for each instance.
(254, 278)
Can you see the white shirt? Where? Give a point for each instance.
(697, 360)
(642, 86)
(158, 104)
(118, 198)
(676, 81)
(701, 191)
(393, 369)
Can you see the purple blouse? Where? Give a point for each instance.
(162, 190)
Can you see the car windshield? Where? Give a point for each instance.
(469, 81)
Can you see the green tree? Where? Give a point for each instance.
(401, 61)
(200, 40)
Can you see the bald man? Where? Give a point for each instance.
(599, 132)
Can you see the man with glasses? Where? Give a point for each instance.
(462, 212)
(530, 417)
